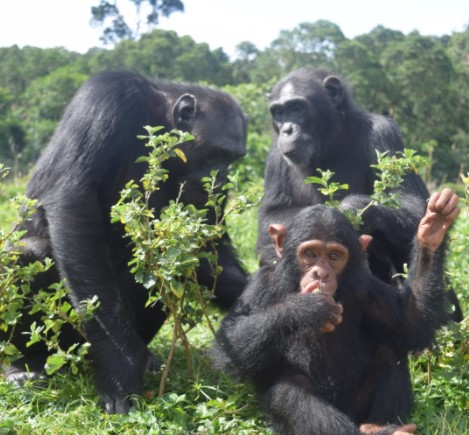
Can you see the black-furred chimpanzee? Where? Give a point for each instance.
(78, 178)
(316, 124)
(324, 341)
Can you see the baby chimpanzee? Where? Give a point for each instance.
(325, 342)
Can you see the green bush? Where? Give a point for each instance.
(212, 402)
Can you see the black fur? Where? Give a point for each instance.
(78, 178)
(316, 124)
(313, 382)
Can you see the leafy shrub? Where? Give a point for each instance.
(167, 249)
(51, 308)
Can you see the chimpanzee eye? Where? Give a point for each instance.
(334, 256)
(277, 112)
(309, 254)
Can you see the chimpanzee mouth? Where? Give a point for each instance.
(317, 287)
(312, 287)
(291, 153)
(297, 156)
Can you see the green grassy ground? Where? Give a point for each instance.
(213, 403)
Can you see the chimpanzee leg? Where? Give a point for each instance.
(147, 320)
(294, 409)
(386, 395)
(29, 368)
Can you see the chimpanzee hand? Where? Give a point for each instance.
(331, 316)
(316, 310)
(442, 210)
(119, 378)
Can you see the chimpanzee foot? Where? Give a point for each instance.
(19, 377)
(115, 405)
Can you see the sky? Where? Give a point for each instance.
(226, 23)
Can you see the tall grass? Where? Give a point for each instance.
(214, 403)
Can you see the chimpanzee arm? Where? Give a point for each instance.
(423, 297)
(393, 229)
(253, 334)
(426, 276)
(77, 232)
(419, 310)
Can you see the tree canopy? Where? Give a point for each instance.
(420, 81)
(115, 26)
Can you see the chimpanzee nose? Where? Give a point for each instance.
(320, 274)
(287, 128)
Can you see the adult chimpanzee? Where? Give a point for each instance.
(324, 341)
(316, 124)
(78, 178)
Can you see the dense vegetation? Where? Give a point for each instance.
(213, 403)
(421, 81)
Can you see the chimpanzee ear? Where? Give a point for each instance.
(364, 241)
(277, 234)
(184, 112)
(334, 88)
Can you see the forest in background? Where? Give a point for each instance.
(422, 82)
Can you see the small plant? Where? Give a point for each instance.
(168, 249)
(440, 375)
(328, 188)
(390, 172)
(50, 306)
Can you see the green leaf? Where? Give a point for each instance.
(313, 180)
(177, 289)
(180, 154)
(55, 362)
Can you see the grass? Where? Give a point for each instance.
(213, 403)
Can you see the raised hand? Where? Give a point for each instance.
(442, 210)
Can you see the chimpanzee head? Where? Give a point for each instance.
(322, 248)
(217, 123)
(307, 109)
(219, 127)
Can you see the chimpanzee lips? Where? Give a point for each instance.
(318, 286)
(292, 152)
(312, 287)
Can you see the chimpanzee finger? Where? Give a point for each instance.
(331, 323)
(329, 311)
(445, 202)
(432, 201)
(454, 214)
(450, 206)
(336, 319)
(331, 306)
(326, 297)
(332, 318)
(327, 327)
